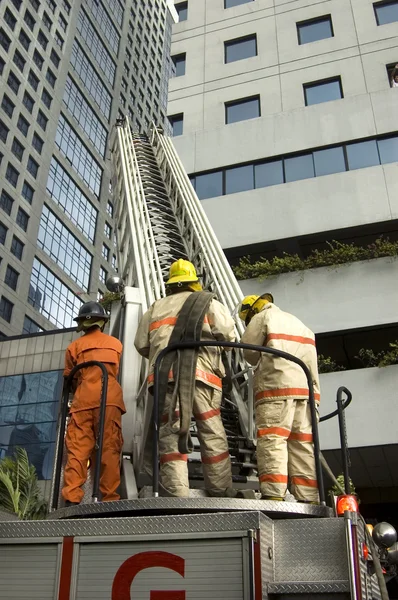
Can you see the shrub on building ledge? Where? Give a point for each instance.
(336, 254)
(328, 365)
(384, 358)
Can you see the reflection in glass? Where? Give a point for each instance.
(312, 31)
(329, 161)
(299, 167)
(362, 154)
(388, 149)
(270, 173)
(239, 179)
(322, 92)
(386, 12)
(28, 413)
(243, 110)
(240, 48)
(209, 185)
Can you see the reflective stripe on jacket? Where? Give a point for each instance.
(95, 345)
(157, 324)
(274, 377)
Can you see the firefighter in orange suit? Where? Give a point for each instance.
(83, 426)
(283, 419)
(153, 335)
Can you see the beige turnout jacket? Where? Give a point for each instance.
(156, 326)
(277, 378)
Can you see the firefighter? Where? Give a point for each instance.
(156, 328)
(282, 411)
(82, 430)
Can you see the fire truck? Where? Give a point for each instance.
(150, 547)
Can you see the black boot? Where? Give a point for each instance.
(69, 503)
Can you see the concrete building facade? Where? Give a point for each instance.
(68, 70)
(285, 116)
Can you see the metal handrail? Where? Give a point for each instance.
(274, 352)
(100, 437)
(344, 404)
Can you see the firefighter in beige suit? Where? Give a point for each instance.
(153, 335)
(283, 418)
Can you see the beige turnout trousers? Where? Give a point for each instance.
(285, 449)
(213, 445)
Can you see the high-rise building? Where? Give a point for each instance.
(68, 70)
(285, 116)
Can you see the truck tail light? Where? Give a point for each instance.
(365, 551)
(346, 502)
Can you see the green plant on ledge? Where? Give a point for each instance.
(108, 298)
(336, 254)
(384, 358)
(327, 365)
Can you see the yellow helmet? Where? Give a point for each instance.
(182, 271)
(251, 305)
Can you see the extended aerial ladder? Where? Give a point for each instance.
(175, 548)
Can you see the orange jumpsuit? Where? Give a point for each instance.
(82, 430)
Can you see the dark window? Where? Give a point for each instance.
(105, 252)
(47, 21)
(10, 19)
(51, 77)
(3, 233)
(17, 149)
(58, 40)
(5, 41)
(27, 192)
(19, 60)
(52, 4)
(23, 125)
(66, 7)
(43, 41)
(24, 39)
(46, 98)
(30, 326)
(315, 29)
(3, 132)
(182, 11)
(108, 230)
(109, 208)
(231, 3)
(6, 309)
(22, 219)
(35, 4)
(240, 48)
(33, 80)
(12, 175)
(13, 82)
(6, 202)
(54, 58)
(62, 23)
(177, 124)
(322, 91)
(362, 154)
(388, 150)
(28, 102)
(241, 110)
(32, 166)
(37, 143)
(329, 161)
(29, 20)
(179, 62)
(2, 65)
(386, 12)
(7, 106)
(17, 3)
(17, 247)
(270, 173)
(42, 120)
(38, 59)
(299, 167)
(239, 179)
(11, 278)
(209, 185)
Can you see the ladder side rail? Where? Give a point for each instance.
(144, 264)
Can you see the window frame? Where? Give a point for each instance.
(235, 41)
(314, 21)
(320, 82)
(238, 102)
(377, 5)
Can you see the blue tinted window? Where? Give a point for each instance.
(239, 179)
(270, 173)
(322, 92)
(182, 11)
(231, 3)
(240, 48)
(329, 161)
(177, 124)
(208, 185)
(388, 149)
(28, 417)
(363, 154)
(386, 12)
(179, 64)
(241, 110)
(314, 30)
(299, 167)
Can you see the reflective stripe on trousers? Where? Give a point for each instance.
(216, 463)
(285, 449)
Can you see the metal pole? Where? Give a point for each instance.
(61, 440)
(343, 438)
(252, 579)
(100, 439)
(273, 351)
